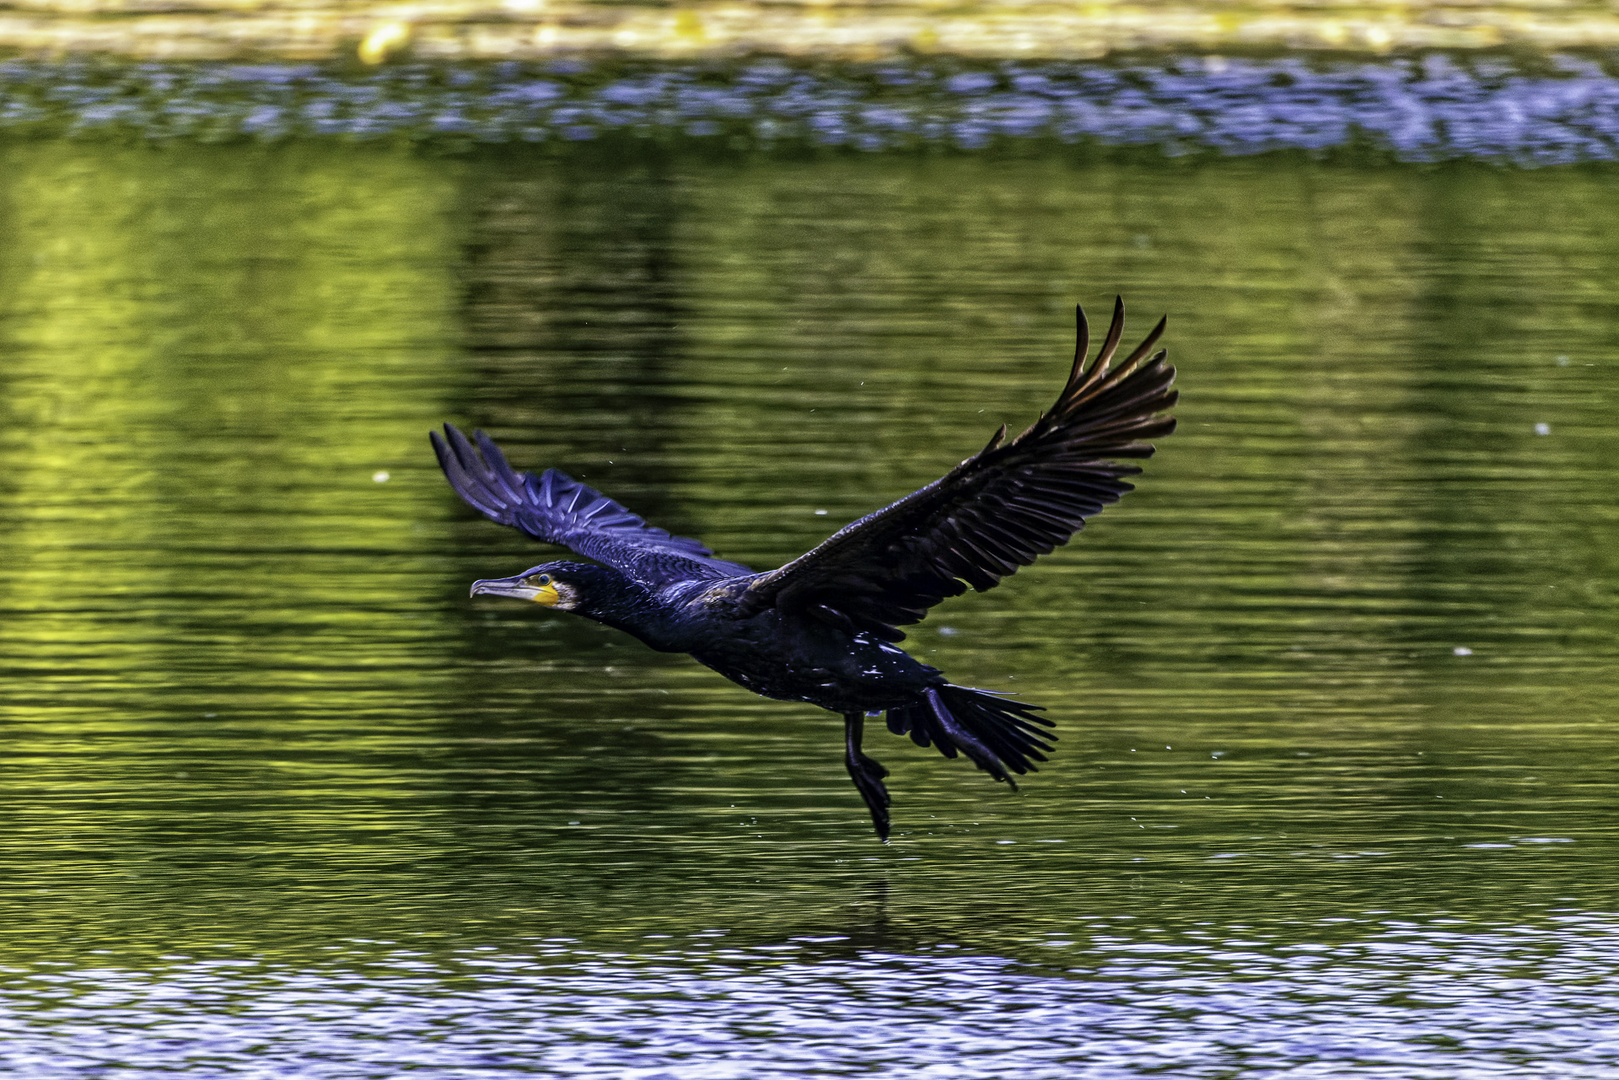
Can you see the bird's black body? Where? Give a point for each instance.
(822, 628)
(773, 654)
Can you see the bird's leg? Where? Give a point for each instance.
(867, 773)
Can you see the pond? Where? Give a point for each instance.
(1335, 687)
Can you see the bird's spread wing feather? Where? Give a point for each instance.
(996, 511)
(558, 509)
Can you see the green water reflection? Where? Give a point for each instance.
(1358, 621)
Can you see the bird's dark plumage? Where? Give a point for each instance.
(821, 628)
(560, 510)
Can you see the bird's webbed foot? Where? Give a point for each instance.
(867, 774)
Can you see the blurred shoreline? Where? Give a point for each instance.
(374, 32)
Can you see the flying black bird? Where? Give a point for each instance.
(821, 629)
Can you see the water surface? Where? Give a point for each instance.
(1334, 793)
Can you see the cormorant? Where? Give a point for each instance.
(822, 628)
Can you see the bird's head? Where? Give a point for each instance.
(599, 593)
(559, 585)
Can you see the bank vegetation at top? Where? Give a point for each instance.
(376, 31)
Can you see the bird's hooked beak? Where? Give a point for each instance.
(538, 588)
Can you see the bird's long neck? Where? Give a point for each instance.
(614, 600)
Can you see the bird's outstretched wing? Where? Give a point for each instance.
(558, 509)
(998, 510)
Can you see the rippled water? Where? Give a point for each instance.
(1526, 109)
(1335, 791)
(1116, 1003)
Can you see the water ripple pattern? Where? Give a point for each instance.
(1119, 1005)
(1558, 110)
(1335, 686)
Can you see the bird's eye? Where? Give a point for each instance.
(543, 579)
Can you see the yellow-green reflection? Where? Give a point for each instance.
(213, 357)
(279, 318)
(1254, 659)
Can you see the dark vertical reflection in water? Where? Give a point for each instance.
(1335, 684)
(572, 307)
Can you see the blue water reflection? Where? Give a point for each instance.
(1436, 999)
(1544, 111)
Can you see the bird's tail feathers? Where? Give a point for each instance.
(1000, 736)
